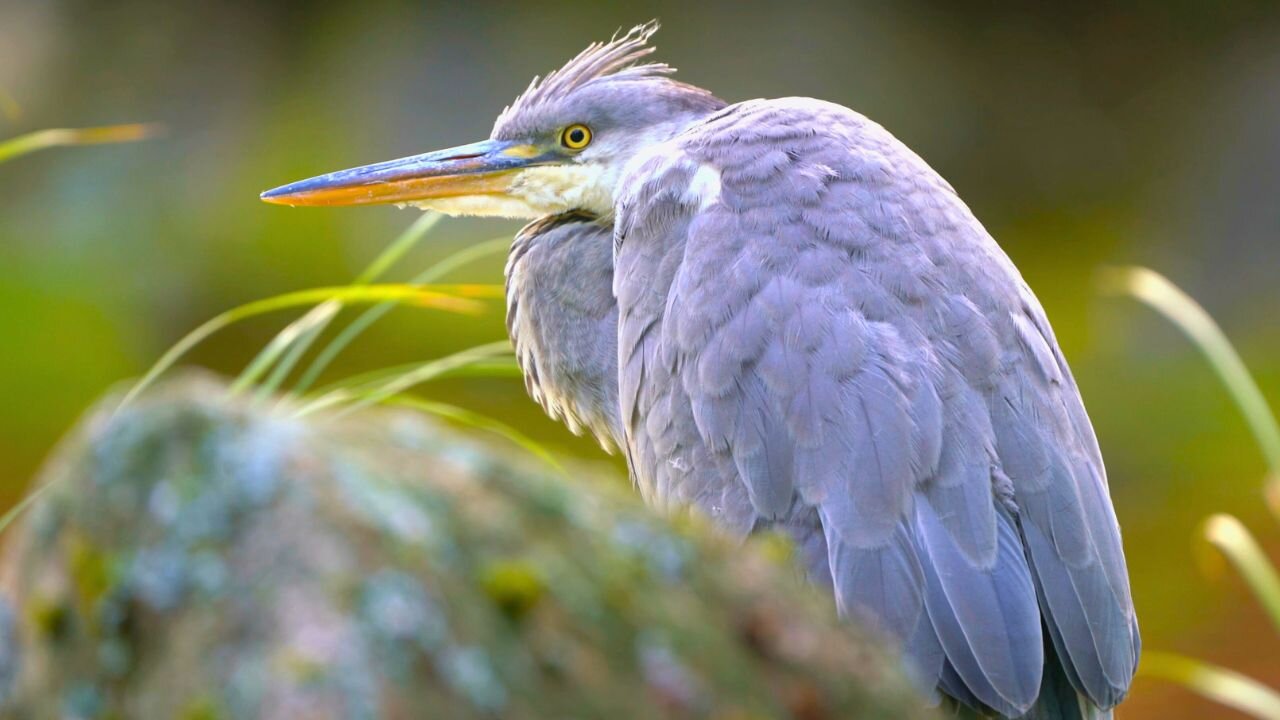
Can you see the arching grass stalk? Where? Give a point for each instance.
(373, 314)
(398, 248)
(1219, 684)
(61, 137)
(294, 340)
(288, 338)
(288, 362)
(1233, 539)
(451, 298)
(40, 140)
(480, 422)
(21, 506)
(1224, 532)
(1158, 292)
(497, 367)
(374, 393)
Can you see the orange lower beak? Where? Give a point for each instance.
(483, 168)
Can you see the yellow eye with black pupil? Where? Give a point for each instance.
(576, 137)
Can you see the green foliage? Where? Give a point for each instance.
(389, 385)
(301, 333)
(373, 314)
(1158, 292)
(1221, 531)
(459, 298)
(1236, 543)
(1221, 685)
(478, 421)
(396, 384)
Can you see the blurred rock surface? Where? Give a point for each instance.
(197, 557)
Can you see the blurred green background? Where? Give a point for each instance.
(1082, 135)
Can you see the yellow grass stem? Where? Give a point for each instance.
(1233, 539)
(62, 137)
(378, 392)
(454, 298)
(480, 422)
(373, 314)
(1166, 298)
(298, 336)
(1218, 684)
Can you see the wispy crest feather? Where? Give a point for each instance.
(618, 57)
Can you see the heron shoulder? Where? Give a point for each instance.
(765, 140)
(799, 161)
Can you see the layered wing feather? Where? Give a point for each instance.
(815, 333)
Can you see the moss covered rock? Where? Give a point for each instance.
(196, 557)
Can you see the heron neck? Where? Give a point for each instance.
(562, 319)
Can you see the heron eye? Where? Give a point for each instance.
(576, 137)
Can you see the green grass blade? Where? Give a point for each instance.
(12, 513)
(466, 255)
(316, 317)
(397, 249)
(1158, 292)
(480, 422)
(1234, 540)
(395, 385)
(404, 294)
(61, 137)
(325, 401)
(375, 313)
(282, 369)
(1223, 686)
(498, 367)
(430, 371)
(311, 325)
(340, 343)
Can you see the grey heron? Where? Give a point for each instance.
(787, 320)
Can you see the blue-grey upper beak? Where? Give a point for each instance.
(483, 168)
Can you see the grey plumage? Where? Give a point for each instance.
(786, 319)
(905, 374)
(563, 321)
(829, 342)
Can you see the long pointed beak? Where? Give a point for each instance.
(483, 168)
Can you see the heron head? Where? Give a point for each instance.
(560, 146)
